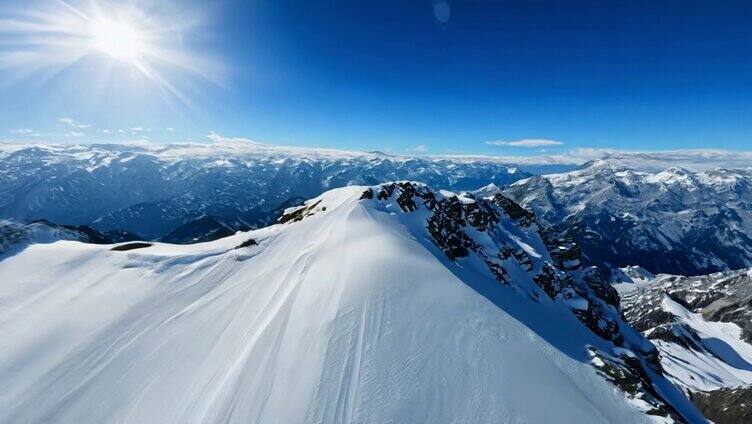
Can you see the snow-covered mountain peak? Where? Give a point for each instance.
(388, 303)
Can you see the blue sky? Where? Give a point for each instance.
(421, 76)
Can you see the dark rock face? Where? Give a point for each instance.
(130, 246)
(514, 210)
(247, 243)
(627, 373)
(725, 406)
(368, 194)
(299, 213)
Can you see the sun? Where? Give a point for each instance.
(120, 40)
(154, 38)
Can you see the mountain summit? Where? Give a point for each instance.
(391, 303)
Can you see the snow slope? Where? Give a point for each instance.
(346, 313)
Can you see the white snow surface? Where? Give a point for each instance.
(345, 316)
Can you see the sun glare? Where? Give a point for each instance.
(121, 40)
(152, 37)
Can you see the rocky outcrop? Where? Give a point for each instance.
(725, 406)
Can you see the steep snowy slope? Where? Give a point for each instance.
(703, 328)
(388, 304)
(150, 189)
(675, 221)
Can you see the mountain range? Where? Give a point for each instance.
(367, 298)
(152, 189)
(675, 221)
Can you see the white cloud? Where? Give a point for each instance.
(21, 131)
(58, 135)
(170, 129)
(420, 148)
(695, 159)
(105, 131)
(219, 139)
(138, 130)
(73, 123)
(527, 142)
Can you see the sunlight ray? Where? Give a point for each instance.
(42, 42)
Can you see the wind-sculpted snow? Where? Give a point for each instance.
(352, 310)
(151, 189)
(674, 221)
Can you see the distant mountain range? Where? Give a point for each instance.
(674, 221)
(152, 190)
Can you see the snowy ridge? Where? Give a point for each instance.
(16, 236)
(394, 303)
